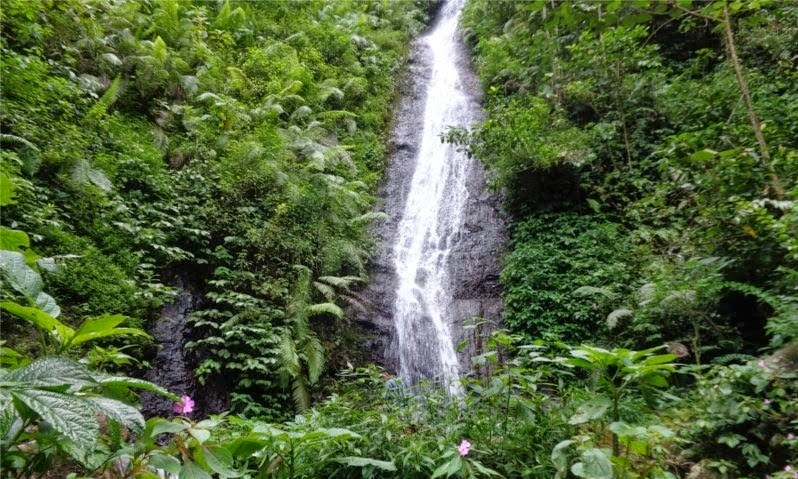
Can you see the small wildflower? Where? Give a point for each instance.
(790, 436)
(766, 401)
(761, 363)
(788, 468)
(465, 446)
(795, 475)
(184, 406)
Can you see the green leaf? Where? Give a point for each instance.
(46, 303)
(70, 415)
(559, 457)
(220, 460)
(484, 470)
(20, 276)
(591, 410)
(656, 380)
(7, 189)
(120, 412)
(364, 461)
(163, 461)
(52, 371)
(201, 435)
(8, 416)
(659, 359)
(192, 470)
(594, 465)
(163, 427)
(13, 240)
(123, 381)
(102, 327)
(40, 319)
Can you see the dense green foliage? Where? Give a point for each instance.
(647, 151)
(648, 156)
(635, 112)
(238, 143)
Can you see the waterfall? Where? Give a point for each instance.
(438, 259)
(434, 214)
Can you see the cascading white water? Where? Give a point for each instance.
(433, 215)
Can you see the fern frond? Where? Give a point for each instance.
(733, 358)
(646, 293)
(314, 354)
(17, 140)
(301, 394)
(356, 302)
(288, 357)
(369, 218)
(325, 308)
(337, 281)
(100, 109)
(326, 290)
(615, 316)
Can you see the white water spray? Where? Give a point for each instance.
(433, 215)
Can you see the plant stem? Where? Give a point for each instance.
(749, 105)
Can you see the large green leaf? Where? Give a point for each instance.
(126, 382)
(13, 240)
(365, 461)
(70, 415)
(52, 371)
(162, 461)
(192, 470)
(594, 464)
(102, 327)
(46, 303)
(40, 319)
(7, 415)
(119, 412)
(220, 460)
(20, 276)
(592, 409)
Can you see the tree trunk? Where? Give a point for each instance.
(749, 105)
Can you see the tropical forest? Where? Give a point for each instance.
(297, 239)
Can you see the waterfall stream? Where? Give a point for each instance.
(434, 213)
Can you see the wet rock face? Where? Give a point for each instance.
(475, 259)
(172, 366)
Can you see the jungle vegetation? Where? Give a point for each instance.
(647, 152)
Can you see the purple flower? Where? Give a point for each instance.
(465, 446)
(184, 406)
(788, 468)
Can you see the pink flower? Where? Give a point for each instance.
(761, 363)
(766, 401)
(788, 468)
(184, 406)
(790, 436)
(465, 446)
